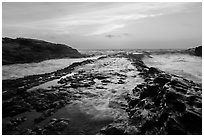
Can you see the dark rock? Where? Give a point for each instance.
(113, 130)
(179, 106)
(133, 102)
(58, 125)
(192, 122)
(113, 91)
(172, 95)
(136, 90)
(38, 131)
(105, 81)
(163, 117)
(179, 83)
(141, 85)
(180, 89)
(28, 132)
(131, 130)
(121, 82)
(161, 80)
(191, 99)
(153, 70)
(14, 110)
(20, 91)
(173, 128)
(167, 104)
(55, 126)
(148, 125)
(13, 125)
(150, 90)
(198, 51)
(39, 119)
(100, 76)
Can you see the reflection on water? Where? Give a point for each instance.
(185, 65)
(84, 118)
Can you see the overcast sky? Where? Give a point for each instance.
(106, 25)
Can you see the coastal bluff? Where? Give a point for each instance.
(24, 50)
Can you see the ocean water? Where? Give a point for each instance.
(180, 64)
(20, 70)
(184, 65)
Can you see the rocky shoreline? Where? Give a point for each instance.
(163, 104)
(17, 99)
(14, 86)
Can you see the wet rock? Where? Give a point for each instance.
(149, 91)
(148, 125)
(136, 91)
(55, 126)
(172, 95)
(148, 79)
(38, 131)
(131, 130)
(20, 90)
(28, 132)
(100, 76)
(174, 128)
(100, 87)
(105, 81)
(162, 118)
(191, 99)
(113, 91)
(82, 83)
(161, 80)
(113, 130)
(198, 51)
(180, 89)
(153, 70)
(120, 82)
(13, 124)
(167, 104)
(58, 124)
(141, 85)
(179, 106)
(51, 96)
(192, 121)
(39, 119)
(133, 102)
(14, 110)
(179, 83)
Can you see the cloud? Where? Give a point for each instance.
(112, 36)
(106, 29)
(117, 36)
(82, 18)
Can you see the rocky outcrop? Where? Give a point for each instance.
(14, 87)
(22, 50)
(197, 51)
(163, 104)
